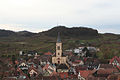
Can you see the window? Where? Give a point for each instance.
(58, 62)
(58, 47)
(58, 53)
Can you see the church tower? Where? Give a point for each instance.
(59, 58)
(58, 46)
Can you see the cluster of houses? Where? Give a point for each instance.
(62, 66)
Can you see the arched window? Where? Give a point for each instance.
(58, 53)
(58, 62)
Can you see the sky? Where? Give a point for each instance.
(41, 15)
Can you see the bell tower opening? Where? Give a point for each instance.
(58, 47)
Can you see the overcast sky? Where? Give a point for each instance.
(39, 15)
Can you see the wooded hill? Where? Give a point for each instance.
(12, 42)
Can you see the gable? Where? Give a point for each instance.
(23, 64)
(32, 71)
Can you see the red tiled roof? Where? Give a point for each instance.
(106, 66)
(115, 57)
(48, 53)
(77, 60)
(85, 73)
(78, 68)
(63, 75)
(106, 71)
(118, 67)
(114, 77)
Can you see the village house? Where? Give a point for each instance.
(49, 70)
(23, 65)
(91, 63)
(62, 68)
(83, 74)
(86, 51)
(115, 61)
(77, 63)
(32, 71)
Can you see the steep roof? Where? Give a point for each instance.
(115, 57)
(85, 73)
(58, 38)
(32, 68)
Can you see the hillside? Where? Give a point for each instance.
(80, 32)
(6, 33)
(13, 42)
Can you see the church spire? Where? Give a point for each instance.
(58, 38)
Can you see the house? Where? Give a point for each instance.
(72, 71)
(85, 51)
(115, 61)
(79, 51)
(77, 63)
(32, 71)
(106, 66)
(21, 53)
(49, 69)
(44, 59)
(114, 77)
(62, 68)
(22, 75)
(91, 63)
(92, 49)
(105, 72)
(79, 68)
(23, 66)
(83, 74)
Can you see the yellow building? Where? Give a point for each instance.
(59, 58)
